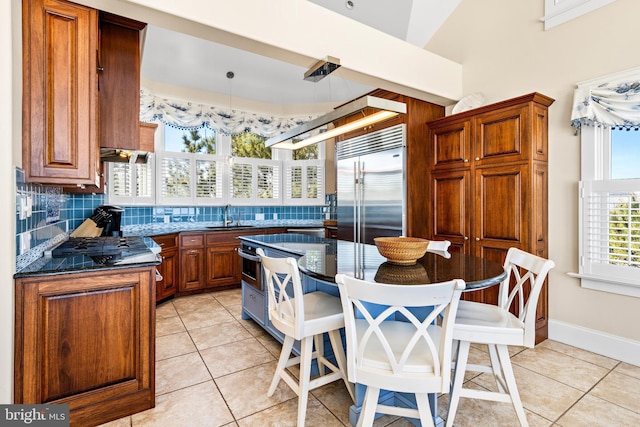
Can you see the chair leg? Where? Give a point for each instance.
(458, 379)
(510, 380)
(319, 345)
(496, 367)
(306, 355)
(338, 351)
(368, 412)
(287, 346)
(426, 418)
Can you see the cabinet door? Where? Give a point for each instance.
(450, 144)
(87, 342)
(503, 210)
(119, 87)
(451, 208)
(168, 286)
(60, 132)
(502, 136)
(192, 269)
(223, 265)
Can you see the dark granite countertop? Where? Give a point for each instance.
(323, 258)
(47, 265)
(158, 229)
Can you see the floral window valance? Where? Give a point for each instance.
(615, 104)
(188, 115)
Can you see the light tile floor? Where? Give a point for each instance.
(213, 369)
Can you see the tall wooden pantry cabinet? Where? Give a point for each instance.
(488, 184)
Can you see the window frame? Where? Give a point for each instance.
(596, 163)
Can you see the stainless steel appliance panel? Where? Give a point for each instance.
(371, 194)
(251, 266)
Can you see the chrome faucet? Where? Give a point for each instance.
(227, 221)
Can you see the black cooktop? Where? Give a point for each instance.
(99, 246)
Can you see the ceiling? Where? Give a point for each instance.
(203, 65)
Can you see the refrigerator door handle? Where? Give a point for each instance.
(361, 212)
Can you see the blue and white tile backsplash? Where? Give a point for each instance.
(54, 214)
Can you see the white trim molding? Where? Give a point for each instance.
(608, 345)
(558, 12)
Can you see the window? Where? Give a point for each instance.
(131, 183)
(199, 140)
(203, 167)
(304, 181)
(557, 12)
(610, 209)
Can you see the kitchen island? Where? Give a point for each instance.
(320, 259)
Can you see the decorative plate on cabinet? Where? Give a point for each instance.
(469, 102)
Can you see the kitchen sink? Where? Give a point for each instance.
(229, 227)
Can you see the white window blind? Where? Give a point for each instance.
(304, 181)
(611, 228)
(143, 179)
(130, 183)
(174, 178)
(268, 182)
(254, 181)
(120, 182)
(209, 188)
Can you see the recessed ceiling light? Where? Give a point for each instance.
(349, 4)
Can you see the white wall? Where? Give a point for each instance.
(505, 52)
(11, 133)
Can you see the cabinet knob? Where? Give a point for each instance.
(466, 238)
(477, 158)
(466, 160)
(100, 69)
(477, 239)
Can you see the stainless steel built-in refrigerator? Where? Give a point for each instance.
(371, 187)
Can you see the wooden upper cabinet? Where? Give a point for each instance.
(147, 136)
(509, 131)
(119, 82)
(502, 136)
(450, 144)
(69, 112)
(60, 41)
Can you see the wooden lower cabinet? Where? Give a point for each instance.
(210, 261)
(168, 285)
(223, 265)
(87, 340)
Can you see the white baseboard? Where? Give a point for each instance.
(613, 346)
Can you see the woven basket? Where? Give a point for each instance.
(401, 250)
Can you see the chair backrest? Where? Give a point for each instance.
(284, 291)
(438, 245)
(521, 289)
(399, 324)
